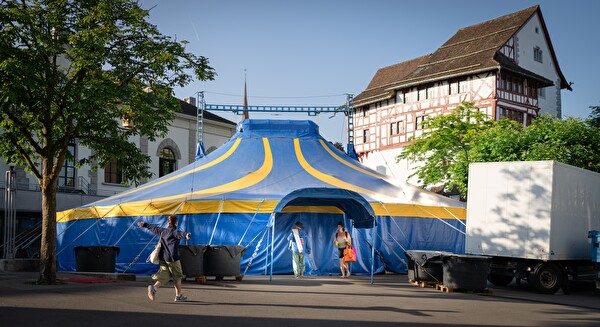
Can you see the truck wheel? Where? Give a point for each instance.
(499, 279)
(546, 278)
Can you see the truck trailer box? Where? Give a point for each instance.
(539, 210)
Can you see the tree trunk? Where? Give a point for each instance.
(48, 246)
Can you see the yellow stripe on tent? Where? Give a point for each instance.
(313, 209)
(177, 176)
(418, 210)
(244, 182)
(330, 179)
(229, 206)
(336, 157)
(251, 206)
(169, 204)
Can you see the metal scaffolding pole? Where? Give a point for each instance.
(350, 113)
(10, 215)
(200, 118)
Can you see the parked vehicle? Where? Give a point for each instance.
(533, 218)
(594, 236)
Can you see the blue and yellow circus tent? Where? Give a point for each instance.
(252, 190)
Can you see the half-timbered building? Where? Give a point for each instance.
(506, 66)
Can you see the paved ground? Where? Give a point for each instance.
(286, 301)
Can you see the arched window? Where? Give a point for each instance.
(167, 162)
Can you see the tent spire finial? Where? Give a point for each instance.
(245, 115)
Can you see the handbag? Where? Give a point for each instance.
(153, 257)
(349, 254)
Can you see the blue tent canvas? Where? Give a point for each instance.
(251, 191)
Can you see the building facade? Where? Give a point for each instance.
(80, 186)
(506, 66)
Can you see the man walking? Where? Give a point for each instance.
(170, 266)
(299, 246)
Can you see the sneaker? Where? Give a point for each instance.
(151, 292)
(180, 298)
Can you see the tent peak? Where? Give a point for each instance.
(288, 128)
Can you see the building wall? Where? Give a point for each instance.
(392, 123)
(528, 37)
(181, 134)
(382, 147)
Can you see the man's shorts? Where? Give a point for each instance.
(168, 271)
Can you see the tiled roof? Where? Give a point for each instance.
(471, 50)
(191, 110)
(385, 77)
(508, 64)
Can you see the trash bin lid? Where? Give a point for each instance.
(420, 257)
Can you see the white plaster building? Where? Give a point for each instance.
(79, 186)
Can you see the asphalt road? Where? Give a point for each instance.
(286, 301)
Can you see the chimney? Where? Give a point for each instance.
(190, 100)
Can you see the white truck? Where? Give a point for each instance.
(532, 218)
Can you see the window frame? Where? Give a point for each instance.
(114, 171)
(462, 86)
(419, 121)
(538, 54)
(66, 177)
(168, 162)
(366, 136)
(453, 87)
(400, 126)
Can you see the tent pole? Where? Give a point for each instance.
(373, 249)
(217, 221)
(247, 228)
(272, 246)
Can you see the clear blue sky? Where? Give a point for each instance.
(313, 52)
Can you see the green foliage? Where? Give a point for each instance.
(73, 69)
(453, 142)
(595, 116)
(443, 149)
(571, 141)
(339, 146)
(503, 142)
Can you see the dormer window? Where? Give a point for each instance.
(537, 54)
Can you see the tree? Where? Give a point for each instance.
(339, 146)
(595, 116)
(72, 70)
(571, 141)
(442, 151)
